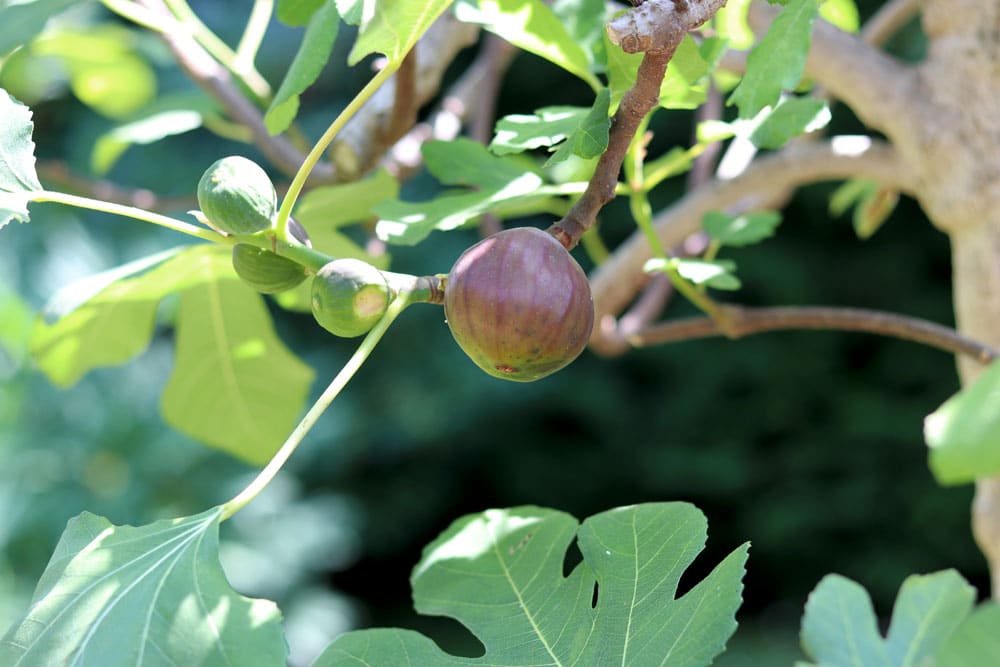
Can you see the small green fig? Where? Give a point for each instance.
(349, 296)
(519, 305)
(237, 196)
(264, 271)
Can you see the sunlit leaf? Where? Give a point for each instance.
(839, 628)
(23, 21)
(297, 12)
(841, 13)
(685, 83)
(147, 595)
(590, 137)
(777, 61)
(964, 433)
(531, 26)
(500, 573)
(497, 182)
(546, 127)
(792, 117)
(392, 27)
(17, 160)
(741, 230)
(312, 56)
(717, 273)
(234, 385)
(731, 24)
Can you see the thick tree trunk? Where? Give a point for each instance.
(956, 151)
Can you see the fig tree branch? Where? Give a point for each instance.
(888, 20)
(741, 321)
(656, 28)
(616, 281)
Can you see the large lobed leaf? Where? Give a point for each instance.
(500, 573)
(392, 27)
(839, 628)
(146, 595)
(17, 160)
(234, 386)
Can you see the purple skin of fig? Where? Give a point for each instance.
(519, 305)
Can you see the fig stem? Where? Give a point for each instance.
(268, 473)
(129, 212)
(299, 181)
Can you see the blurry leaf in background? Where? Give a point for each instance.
(532, 26)
(124, 595)
(500, 573)
(777, 61)
(794, 116)
(839, 628)
(841, 13)
(15, 325)
(392, 27)
(964, 433)
(163, 118)
(17, 160)
(741, 230)
(685, 83)
(730, 24)
(584, 20)
(976, 642)
(312, 56)
(22, 21)
(105, 72)
(498, 181)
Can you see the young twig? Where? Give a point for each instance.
(743, 321)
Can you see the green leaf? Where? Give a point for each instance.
(590, 138)
(685, 85)
(23, 21)
(731, 24)
(741, 230)
(841, 13)
(584, 21)
(297, 12)
(848, 194)
(839, 628)
(777, 61)
(106, 72)
(531, 26)
(17, 160)
(717, 273)
(392, 27)
(332, 206)
(546, 127)
(112, 326)
(497, 181)
(792, 117)
(500, 574)
(234, 386)
(147, 595)
(312, 56)
(976, 642)
(167, 117)
(964, 433)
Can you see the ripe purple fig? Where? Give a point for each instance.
(519, 305)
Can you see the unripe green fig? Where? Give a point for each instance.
(264, 271)
(237, 196)
(519, 305)
(349, 296)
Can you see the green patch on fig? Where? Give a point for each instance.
(519, 305)
(349, 296)
(237, 196)
(264, 271)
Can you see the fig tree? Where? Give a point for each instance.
(519, 305)
(349, 296)
(237, 196)
(264, 271)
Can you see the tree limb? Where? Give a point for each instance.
(615, 282)
(742, 321)
(888, 20)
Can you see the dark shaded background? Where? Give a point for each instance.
(808, 444)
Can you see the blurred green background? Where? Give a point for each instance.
(807, 444)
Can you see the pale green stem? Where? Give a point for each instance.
(364, 350)
(218, 49)
(295, 188)
(127, 211)
(253, 37)
(638, 202)
(141, 16)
